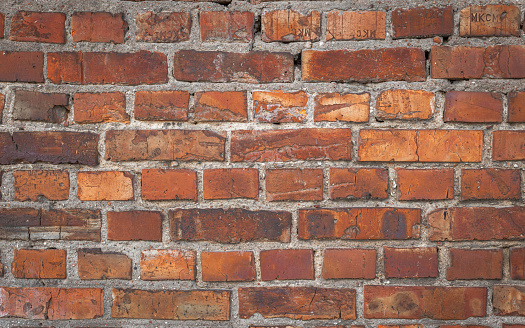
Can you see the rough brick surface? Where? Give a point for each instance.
(508, 300)
(108, 185)
(517, 263)
(93, 264)
(355, 25)
(228, 266)
(335, 107)
(349, 264)
(473, 107)
(280, 107)
(40, 107)
(363, 183)
(490, 20)
(422, 22)
(39, 264)
(231, 183)
(284, 184)
(290, 25)
(405, 104)
(163, 27)
(475, 264)
(490, 184)
(161, 105)
(227, 26)
(420, 262)
(425, 184)
(167, 264)
(135, 225)
(40, 185)
(100, 107)
(220, 106)
(98, 27)
(287, 264)
(21, 66)
(516, 107)
(161, 184)
(508, 145)
(38, 27)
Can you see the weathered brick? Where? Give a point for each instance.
(490, 184)
(508, 300)
(39, 264)
(290, 25)
(105, 185)
(220, 106)
(517, 263)
(490, 20)
(226, 26)
(163, 27)
(425, 184)
(134, 68)
(347, 107)
(41, 184)
(29, 26)
(231, 183)
(405, 104)
(56, 147)
(349, 264)
(417, 262)
(473, 107)
(365, 183)
(516, 107)
(251, 67)
(169, 184)
(294, 184)
(162, 105)
(355, 25)
(475, 264)
(287, 264)
(171, 304)
(389, 64)
(164, 145)
(290, 145)
(135, 225)
(359, 223)
(279, 107)
(418, 302)
(422, 22)
(228, 266)
(167, 264)
(93, 264)
(41, 107)
(52, 303)
(420, 145)
(299, 303)
(477, 223)
(98, 27)
(21, 66)
(230, 226)
(508, 145)
(100, 107)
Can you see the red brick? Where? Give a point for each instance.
(298, 303)
(163, 184)
(500, 61)
(162, 105)
(226, 26)
(2, 23)
(100, 107)
(135, 68)
(365, 183)
(508, 145)
(422, 22)
(290, 145)
(420, 145)
(389, 64)
(163, 27)
(171, 304)
(31, 26)
(41, 107)
(56, 147)
(94, 264)
(228, 266)
(105, 185)
(355, 25)
(359, 223)
(517, 263)
(164, 145)
(290, 25)
(41, 184)
(405, 104)
(490, 20)
(52, 303)
(429, 184)
(418, 302)
(279, 107)
(490, 184)
(220, 106)
(473, 107)
(508, 300)
(251, 67)
(135, 225)
(231, 183)
(418, 262)
(98, 27)
(475, 264)
(39, 264)
(21, 66)
(229, 226)
(287, 264)
(294, 184)
(167, 264)
(349, 264)
(334, 107)
(516, 107)
(477, 223)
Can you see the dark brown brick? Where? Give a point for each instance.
(162, 105)
(508, 145)
(21, 66)
(475, 264)
(366, 183)
(490, 184)
(40, 107)
(98, 27)
(135, 225)
(473, 107)
(163, 27)
(349, 264)
(294, 184)
(226, 26)
(422, 22)
(287, 264)
(29, 26)
(417, 262)
(94, 264)
(220, 106)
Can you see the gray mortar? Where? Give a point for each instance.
(133, 249)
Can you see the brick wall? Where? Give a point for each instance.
(257, 163)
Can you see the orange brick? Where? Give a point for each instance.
(294, 184)
(388, 145)
(490, 184)
(475, 264)
(100, 107)
(231, 183)
(98, 27)
(290, 25)
(348, 107)
(490, 20)
(405, 104)
(164, 184)
(473, 107)
(430, 184)
(31, 26)
(508, 145)
(349, 264)
(162, 105)
(105, 185)
(226, 26)
(135, 225)
(167, 264)
(163, 27)
(355, 25)
(228, 266)
(220, 106)
(417, 262)
(287, 264)
(35, 185)
(358, 183)
(39, 264)
(279, 107)
(516, 107)
(94, 264)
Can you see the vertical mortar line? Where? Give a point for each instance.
(326, 183)
(393, 183)
(457, 183)
(506, 264)
(130, 105)
(380, 261)
(443, 262)
(166, 227)
(505, 102)
(262, 182)
(318, 261)
(227, 147)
